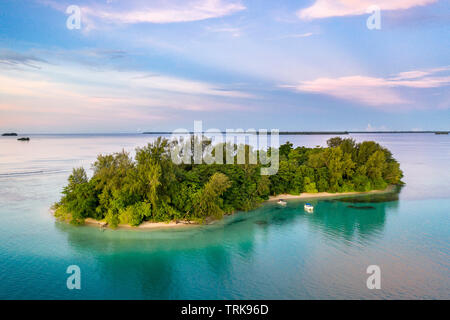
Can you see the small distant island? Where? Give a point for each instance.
(13, 134)
(151, 190)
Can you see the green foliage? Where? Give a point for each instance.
(151, 187)
(80, 198)
(208, 202)
(135, 213)
(112, 219)
(334, 142)
(310, 187)
(285, 149)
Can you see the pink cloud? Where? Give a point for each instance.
(374, 91)
(144, 11)
(38, 97)
(371, 91)
(340, 8)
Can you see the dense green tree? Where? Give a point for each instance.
(208, 202)
(334, 142)
(80, 198)
(285, 149)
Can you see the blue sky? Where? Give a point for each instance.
(159, 65)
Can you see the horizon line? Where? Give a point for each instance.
(285, 132)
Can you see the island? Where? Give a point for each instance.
(150, 190)
(9, 134)
(24, 139)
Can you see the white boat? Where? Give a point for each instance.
(281, 202)
(309, 207)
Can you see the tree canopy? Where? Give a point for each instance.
(151, 187)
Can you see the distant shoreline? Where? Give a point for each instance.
(444, 132)
(148, 226)
(313, 132)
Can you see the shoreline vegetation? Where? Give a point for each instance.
(151, 191)
(148, 225)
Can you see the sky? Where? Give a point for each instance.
(135, 65)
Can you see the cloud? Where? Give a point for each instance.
(374, 91)
(375, 128)
(75, 81)
(340, 8)
(144, 11)
(77, 94)
(110, 54)
(158, 82)
(233, 31)
(15, 59)
(297, 35)
(411, 75)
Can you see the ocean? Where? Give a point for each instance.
(267, 253)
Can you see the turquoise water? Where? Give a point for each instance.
(269, 253)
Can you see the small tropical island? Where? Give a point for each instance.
(9, 134)
(152, 190)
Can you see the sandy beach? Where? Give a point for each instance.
(327, 194)
(143, 226)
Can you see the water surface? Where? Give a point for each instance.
(269, 253)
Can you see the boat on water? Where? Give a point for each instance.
(308, 207)
(281, 202)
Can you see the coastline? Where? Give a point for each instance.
(305, 195)
(148, 226)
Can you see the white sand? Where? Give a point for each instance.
(145, 225)
(326, 194)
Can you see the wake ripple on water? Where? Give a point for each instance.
(31, 173)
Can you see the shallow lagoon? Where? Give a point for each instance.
(269, 253)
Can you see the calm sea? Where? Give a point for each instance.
(269, 253)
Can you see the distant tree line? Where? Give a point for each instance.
(151, 187)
